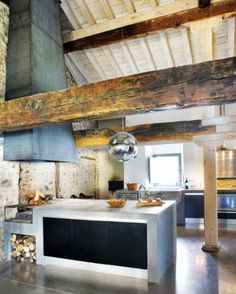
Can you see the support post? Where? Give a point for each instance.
(210, 198)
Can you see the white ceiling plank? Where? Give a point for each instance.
(231, 37)
(130, 6)
(90, 54)
(80, 66)
(129, 57)
(107, 9)
(79, 78)
(161, 10)
(86, 11)
(153, 3)
(186, 44)
(219, 120)
(113, 62)
(166, 49)
(147, 54)
(206, 44)
(70, 14)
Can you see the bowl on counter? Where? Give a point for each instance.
(133, 186)
(117, 203)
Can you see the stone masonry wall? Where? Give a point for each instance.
(4, 22)
(9, 192)
(8, 188)
(59, 179)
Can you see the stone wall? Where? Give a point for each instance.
(9, 192)
(79, 178)
(59, 179)
(8, 189)
(4, 22)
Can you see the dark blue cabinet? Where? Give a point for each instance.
(194, 205)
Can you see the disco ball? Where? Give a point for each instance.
(122, 146)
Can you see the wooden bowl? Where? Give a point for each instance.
(116, 203)
(133, 186)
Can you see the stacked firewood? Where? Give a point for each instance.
(24, 248)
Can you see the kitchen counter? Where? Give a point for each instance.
(88, 234)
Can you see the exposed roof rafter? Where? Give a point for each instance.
(140, 24)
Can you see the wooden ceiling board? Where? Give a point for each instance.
(191, 43)
(176, 45)
(88, 67)
(221, 39)
(119, 8)
(141, 5)
(105, 64)
(138, 55)
(157, 51)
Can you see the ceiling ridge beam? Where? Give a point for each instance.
(208, 83)
(140, 24)
(180, 131)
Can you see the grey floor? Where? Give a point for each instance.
(194, 272)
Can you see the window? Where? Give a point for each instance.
(166, 170)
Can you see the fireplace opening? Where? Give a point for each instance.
(23, 248)
(39, 198)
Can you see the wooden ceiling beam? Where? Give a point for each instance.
(141, 23)
(181, 131)
(209, 83)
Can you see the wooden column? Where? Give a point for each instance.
(210, 198)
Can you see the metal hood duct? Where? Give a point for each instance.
(226, 163)
(35, 64)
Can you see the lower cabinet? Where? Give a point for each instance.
(57, 235)
(114, 243)
(194, 206)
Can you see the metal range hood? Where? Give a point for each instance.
(35, 64)
(226, 163)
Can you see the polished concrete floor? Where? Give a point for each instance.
(193, 272)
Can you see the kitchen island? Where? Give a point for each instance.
(89, 235)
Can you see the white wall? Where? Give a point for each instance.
(136, 170)
(108, 169)
(193, 164)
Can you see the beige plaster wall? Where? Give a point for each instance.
(108, 169)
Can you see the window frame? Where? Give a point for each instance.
(180, 169)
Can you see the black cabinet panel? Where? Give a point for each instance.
(114, 243)
(194, 206)
(90, 241)
(128, 244)
(58, 237)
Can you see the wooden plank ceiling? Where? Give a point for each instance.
(191, 43)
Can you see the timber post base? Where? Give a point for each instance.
(211, 248)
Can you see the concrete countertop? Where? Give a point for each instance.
(79, 208)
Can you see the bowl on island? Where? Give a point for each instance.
(116, 203)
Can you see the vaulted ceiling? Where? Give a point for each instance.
(189, 43)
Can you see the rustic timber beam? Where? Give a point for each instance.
(208, 83)
(180, 131)
(77, 40)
